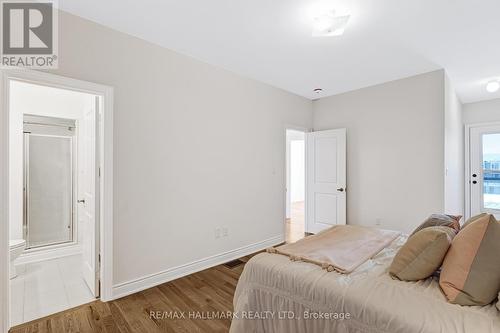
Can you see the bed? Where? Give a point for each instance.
(275, 294)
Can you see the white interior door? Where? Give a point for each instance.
(88, 201)
(484, 170)
(326, 179)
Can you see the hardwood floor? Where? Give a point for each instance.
(199, 294)
(295, 224)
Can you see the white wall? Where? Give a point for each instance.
(186, 156)
(482, 112)
(454, 152)
(37, 100)
(395, 149)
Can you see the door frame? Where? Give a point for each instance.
(467, 167)
(285, 167)
(8, 74)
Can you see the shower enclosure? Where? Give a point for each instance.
(49, 180)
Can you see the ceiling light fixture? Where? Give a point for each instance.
(328, 24)
(493, 86)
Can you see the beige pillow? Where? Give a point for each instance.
(422, 254)
(471, 272)
(442, 220)
(474, 218)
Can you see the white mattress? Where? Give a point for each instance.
(275, 294)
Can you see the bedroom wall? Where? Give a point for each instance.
(482, 112)
(187, 160)
(454, 152)
(395, 149)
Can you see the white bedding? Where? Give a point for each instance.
(275, 294)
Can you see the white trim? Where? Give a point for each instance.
(467, 172)
(148, 281)
(4, 207)
(106, 198)
(29, 257)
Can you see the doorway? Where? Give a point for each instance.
(56, 195)
(316, 181)
(295, 187)
(483, 170)
(50, 225)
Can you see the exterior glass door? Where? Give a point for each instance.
(484, 177)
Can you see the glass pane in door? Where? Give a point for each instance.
(491, 171)
(49, 187)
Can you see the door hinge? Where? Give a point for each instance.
(99, 259)
(99, 171)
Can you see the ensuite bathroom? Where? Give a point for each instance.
(52, 152)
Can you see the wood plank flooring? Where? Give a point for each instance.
(208, 291)
(295, 224)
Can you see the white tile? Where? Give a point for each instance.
(79, 294)
(48, 287)
(43, 282)
(41, 312)
(20, 269)
(43, 266)
(17, 296)
(17, 286)
(54, 301)
(29, 316)
(72, 262)
(17, 303)
(16, 318)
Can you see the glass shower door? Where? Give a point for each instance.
(49, 189)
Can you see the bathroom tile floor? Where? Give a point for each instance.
(47, 287)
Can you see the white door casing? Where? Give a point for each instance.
(106, 168)
(88, 203)
(325, 179)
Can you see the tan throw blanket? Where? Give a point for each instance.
(340, 248)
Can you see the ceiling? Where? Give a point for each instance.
(270, 40)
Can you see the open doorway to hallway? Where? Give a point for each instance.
(295, 185)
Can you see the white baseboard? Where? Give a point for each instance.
(29, 257)
(148, 281)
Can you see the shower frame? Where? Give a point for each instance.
(51, 127)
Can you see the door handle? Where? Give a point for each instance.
(81, 201)
(340, 189)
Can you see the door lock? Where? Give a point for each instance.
(81, 201)
(340, 189)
